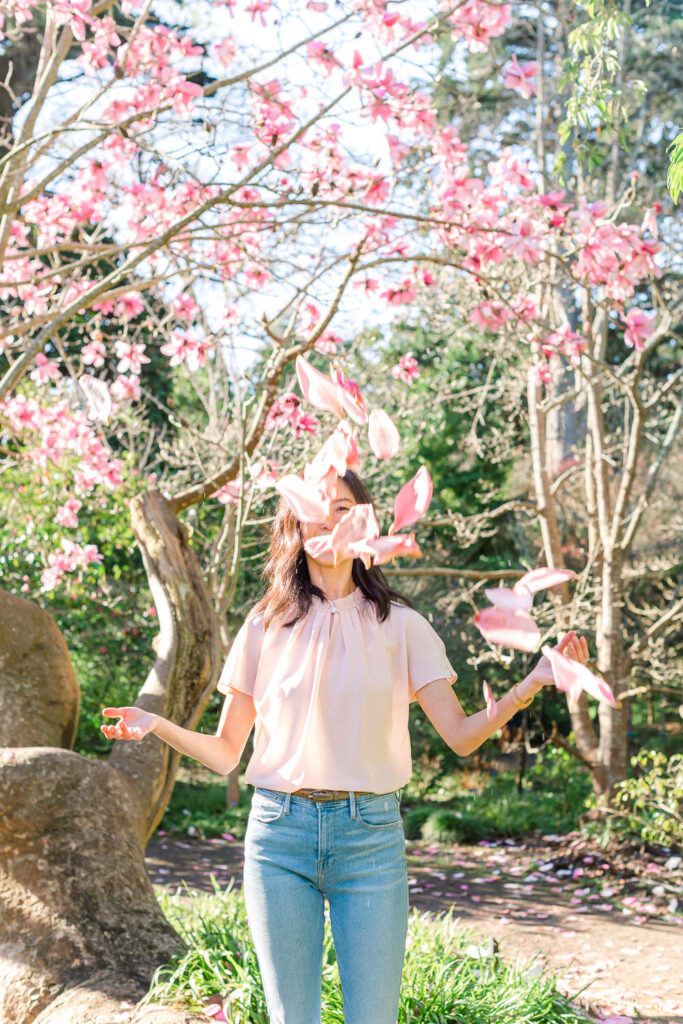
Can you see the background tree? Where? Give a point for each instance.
(170, 190)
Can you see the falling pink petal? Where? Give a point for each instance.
(304, 497)
(572, 677)
(97, 396)
(514, 628)
(318, 389)
(340, 452)
(382, 549)
(412, 501)
(359, 524)
(320, 547)
(503, 597)
(491, 705)
(383, 436)
(541, 579)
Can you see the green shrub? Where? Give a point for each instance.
(455, 826)
(648, 807)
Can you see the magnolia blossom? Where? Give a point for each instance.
(131, 357)
(93, 354)
(639, 327)
(66, 515)
(46, 370)
(406, 368)
(520, 78)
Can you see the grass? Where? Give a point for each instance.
(447, 979)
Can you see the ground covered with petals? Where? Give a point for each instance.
(607, 923)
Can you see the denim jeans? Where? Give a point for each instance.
(352, 852)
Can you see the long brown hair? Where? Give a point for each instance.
(286, 571)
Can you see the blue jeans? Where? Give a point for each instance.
(352, 852)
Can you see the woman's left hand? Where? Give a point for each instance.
(572, 646)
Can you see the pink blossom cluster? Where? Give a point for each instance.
(614, 256)
(55, 435)
(188, 346)
(406, 368)
(287, 411)
(520, 79)
(71, 558)
(479, 22)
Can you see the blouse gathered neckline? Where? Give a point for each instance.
(340, 604)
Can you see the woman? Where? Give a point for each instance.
(327, 664)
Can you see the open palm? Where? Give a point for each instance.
(134, 723)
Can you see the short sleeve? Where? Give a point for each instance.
(427, 658)
(239, 671)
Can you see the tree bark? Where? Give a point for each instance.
(80, 925)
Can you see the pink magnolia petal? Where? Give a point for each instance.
(304, 497)
(514, 628)
(541, 579)
(354, 407)
(97, 396)
(491, 705)
(573, 677)
(412, 501)
(383, 549)
(383, 436)
(359, 524)
(340, 452)
(320, 547)
(318, 389)
(503, 597)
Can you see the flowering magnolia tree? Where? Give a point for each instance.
(183, 214)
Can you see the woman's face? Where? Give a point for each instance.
(342, 501)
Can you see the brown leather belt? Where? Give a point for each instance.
(321, 795)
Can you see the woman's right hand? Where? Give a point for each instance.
(133, 724)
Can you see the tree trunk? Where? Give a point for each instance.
(80, 925)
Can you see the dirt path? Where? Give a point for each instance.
(612, 933)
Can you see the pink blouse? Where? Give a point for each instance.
(332, 693)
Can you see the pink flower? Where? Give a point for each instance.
(519, 78)
(239, 155)
(131, 357)
(229, 492)
(93, 354)
(126, 388)
(66, 515)
(405, 292)
(406, 368)
(639, 327)
(46, 370)
(319, 53)
(226, 51)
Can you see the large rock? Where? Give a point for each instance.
(74, 891)
(39, 695)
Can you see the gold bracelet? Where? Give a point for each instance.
(517, 700)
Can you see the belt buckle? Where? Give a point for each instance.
(323, 794)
